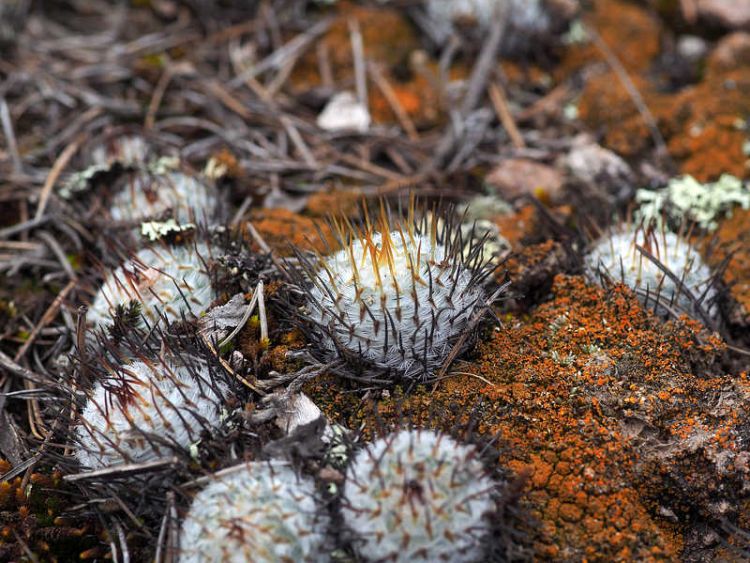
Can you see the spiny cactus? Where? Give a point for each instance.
(146, 194)
(418, 495)
(146, 411)
(618, 256)
(164, 280)
(397, 296)
(255, 512)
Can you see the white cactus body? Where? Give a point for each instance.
(397, 298)
(255, 512)
(618, 256)
(418, 496)
(146, 412)
(528, 16)
(164, 280)
(147, 195)
(127, 150)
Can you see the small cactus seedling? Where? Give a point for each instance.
(418, 496)
(145, 194)
(397, 296)
(255, 512)
(163, 280)
(690, 283)
(147, 411)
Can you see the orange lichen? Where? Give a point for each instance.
(281, 228)
(702, 123)
(699, 122)
(627, 28)
(575, 394)
(520, 226)
(733, 240)
(387, 38)
(339, 203)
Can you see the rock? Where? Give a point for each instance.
(517, 177)
(593, 164)
(731, 53)
(691, 47)
(344, 113)
(733, 14)
(300, 410)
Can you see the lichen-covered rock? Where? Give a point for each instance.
(627, 435)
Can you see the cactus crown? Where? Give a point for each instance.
(164, 280)
(620, 257)
(255, 512)
(418, 495)
(397, 295)
(147, 410)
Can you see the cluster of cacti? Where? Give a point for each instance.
(413, 495)
(397, 296)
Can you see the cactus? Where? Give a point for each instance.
(618, 256)
(147, 411)
(151, 194)
(164, 280)
(398, 295)
(418, 495)
(255, 512)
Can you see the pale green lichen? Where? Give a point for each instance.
(685, 198)
(155, 230)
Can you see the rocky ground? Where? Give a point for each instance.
(620, 431)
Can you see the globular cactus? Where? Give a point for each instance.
(145, 194)
(397, 296)
(618, 256)
(255, 512)
(128, 151)
(163, 280)
(418, 496)
(526, 18)
(146, 411)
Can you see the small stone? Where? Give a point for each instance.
(517, 177)
(691, 47)
(344, 113)
(731, 52)
(300, 410)
(593, 164)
